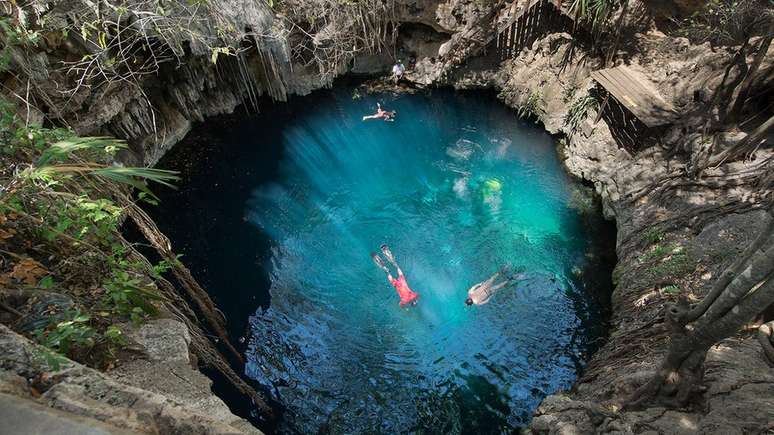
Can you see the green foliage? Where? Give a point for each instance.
(129, 297)
(80, 218)
(569, 92)
(534, 107)
(579, 111)
(65, 199)
(14, 36)
(671, 290)
(68, 334)
(658, 252)
(56, 161)
(676, 265)
(164, 266)
(653, 235)
(50, 358)
(727, 22)
(595, 12)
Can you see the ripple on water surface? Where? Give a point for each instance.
(457, 187)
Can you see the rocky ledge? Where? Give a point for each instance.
(157, 390)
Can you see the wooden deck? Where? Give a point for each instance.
(637, 95)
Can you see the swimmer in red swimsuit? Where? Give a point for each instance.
(407, 296)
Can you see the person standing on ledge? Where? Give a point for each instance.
(397, 72)
(407, 296)
(480, 293)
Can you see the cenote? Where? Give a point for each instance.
(278, 212)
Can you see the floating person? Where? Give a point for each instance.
(480, 293)
(492, 193)
(397, 72)
(387, 115)
(407, 296)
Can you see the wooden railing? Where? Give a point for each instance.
(537, 19)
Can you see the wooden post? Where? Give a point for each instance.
(512, 33)
(524, 30)
(530, 27)
(499, 47)
(602, 108)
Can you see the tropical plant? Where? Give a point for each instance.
(727, 22)
(594, 11)
(579, 110)
(534, 107)
(61, 206)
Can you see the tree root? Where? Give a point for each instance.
(195, 292)
(201, 346)
(764, 338)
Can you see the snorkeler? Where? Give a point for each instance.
(480, 293)
(387, 115)
(407, 296)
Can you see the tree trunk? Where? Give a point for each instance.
(746, 85)
(747, 287)
(618, 31)
(764, 338)
(746, 145)
(717, 96)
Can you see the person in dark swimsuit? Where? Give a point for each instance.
(407, 296)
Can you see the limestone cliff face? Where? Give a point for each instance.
(153, 111)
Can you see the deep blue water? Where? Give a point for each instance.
(283, 209)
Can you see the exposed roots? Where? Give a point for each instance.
(194, 291)
(201, 346)
(764, 338)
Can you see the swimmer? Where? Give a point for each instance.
(407, 296)
(480, 293)
(387, 115)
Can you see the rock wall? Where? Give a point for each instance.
(174, 399)
(154, 111)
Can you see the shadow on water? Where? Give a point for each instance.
(277, 213)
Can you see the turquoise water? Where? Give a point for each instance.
(298, 198)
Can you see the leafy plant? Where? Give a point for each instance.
(569, 92)
(579, 111)
(65, 335)
(533, 107)
(129, 296)
(659, 252)
(65, 200)
(653, 235)
(671, 290)
(593, 11)
(726, 22)
(675, 265)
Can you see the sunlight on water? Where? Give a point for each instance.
(457, 187)
(292, 202)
